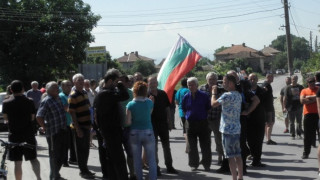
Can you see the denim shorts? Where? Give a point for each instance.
(231, 145)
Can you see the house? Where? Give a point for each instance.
(259, 61)
(128, 60)
(269, 54)
(158, 67)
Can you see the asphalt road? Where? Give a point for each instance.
(283, 160)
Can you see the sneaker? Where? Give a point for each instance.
(300, 137)
(73, 162)
(270, 142)
(223, 170)
(305, 156)
(286, 131)
(293, 138)
(91, 173)
(258, 164)
(86, 176)
(194, 168)
(172, 170)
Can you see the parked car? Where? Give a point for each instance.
(279, 71)
(296, 71)
(3, 125)
(283, 71)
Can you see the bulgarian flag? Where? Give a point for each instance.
(181, 59)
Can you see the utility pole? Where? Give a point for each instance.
(316, 44)
(310, 43)
(288, 37)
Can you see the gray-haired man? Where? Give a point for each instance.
(52, 118)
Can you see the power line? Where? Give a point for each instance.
(293, 22)
(144, 24)
(310, 12)
(190, 21)
(33, 13)
(190, 27)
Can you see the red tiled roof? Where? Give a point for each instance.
(133, 56)
(234, 49)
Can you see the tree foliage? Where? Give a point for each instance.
(220, 49)
(224, 67)
(300, 46)
(146, 68)
(312, 65)
(43, 40)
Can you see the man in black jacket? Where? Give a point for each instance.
(109, 122)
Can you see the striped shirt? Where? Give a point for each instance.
(52, 111)
(79, 103)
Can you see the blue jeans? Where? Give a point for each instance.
(145, 139)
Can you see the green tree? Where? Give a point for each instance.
(312, 65)
(146, 68)
(297, 64)
(43, 40)
(300, 46)
(280, 61)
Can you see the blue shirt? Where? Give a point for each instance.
(231, 109)
(64, 100)
(196, 109)
(140, 113)
(179, 96)
(52, 111)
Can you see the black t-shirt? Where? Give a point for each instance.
(161, 102)
(292, 94)
(268, 100)
(258, 114)
(19, 110)
(282, 91)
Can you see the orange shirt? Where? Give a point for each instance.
(309, 108)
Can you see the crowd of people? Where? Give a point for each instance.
(128, 114)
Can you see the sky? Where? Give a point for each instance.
(151, 27)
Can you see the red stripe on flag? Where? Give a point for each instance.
(179, 72)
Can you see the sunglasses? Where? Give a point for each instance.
(311, 81)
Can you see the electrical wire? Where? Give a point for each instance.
(189, 27)
(165, 29)
(294, 22)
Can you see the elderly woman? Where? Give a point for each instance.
(141, 135)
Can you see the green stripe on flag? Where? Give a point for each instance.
(179, 55)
